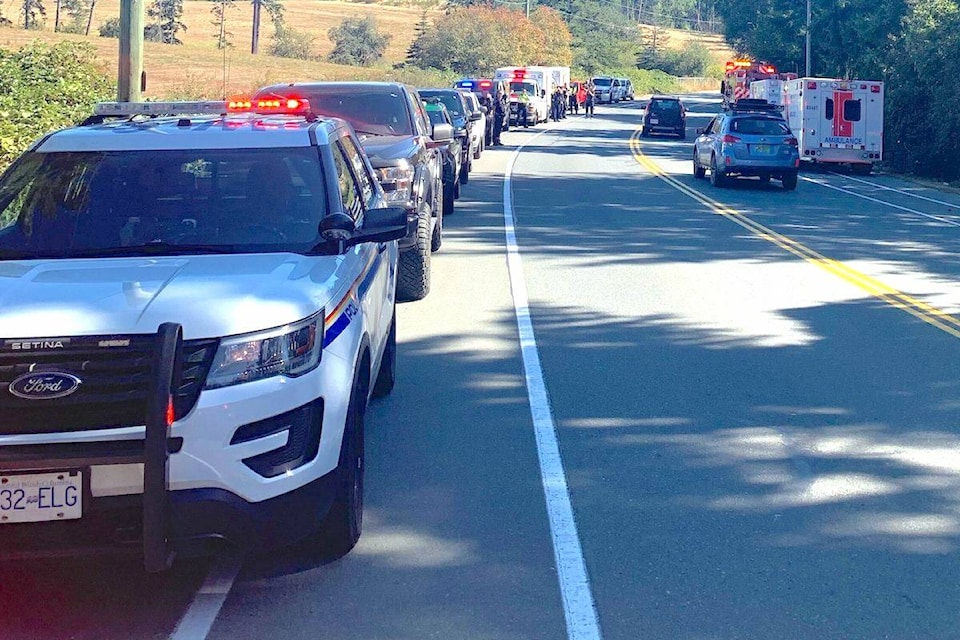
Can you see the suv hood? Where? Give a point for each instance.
(386, 148)
(211, 296)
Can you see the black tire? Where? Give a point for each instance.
(456, 188)
(448, 200)
(476, 156)
(682, 134)
(717, 178)
(644, 133)
(413, 268)
(465, 170)
(387, 375)
(789, 182)
(698, 171)
(436, 238)
(341, 528)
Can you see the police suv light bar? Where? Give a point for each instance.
(159, 108)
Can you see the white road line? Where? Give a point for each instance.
(900, 191)
(579, 609)
(948, 221)
(199, 617)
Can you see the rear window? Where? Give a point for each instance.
(851, 110)
(664, 106)
(603, 82)
(152, 202)
(759, 126)
(370, 112)
(451, 101)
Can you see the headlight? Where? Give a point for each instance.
(291, 350)
(397, 182)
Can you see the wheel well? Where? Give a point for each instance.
(363, 368)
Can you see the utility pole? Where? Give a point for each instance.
(528, 8)
(808, 74)
(255, 36)
(130, 72)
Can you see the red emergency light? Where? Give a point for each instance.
(520, 73)
(874, 88)
(485, 84)
(767, 68)
(279, 106)
(811, 85)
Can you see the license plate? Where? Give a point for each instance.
(654, 120)
(40, 497)
(762, 149)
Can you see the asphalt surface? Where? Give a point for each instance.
(755, 398)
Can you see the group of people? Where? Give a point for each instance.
(567, 99)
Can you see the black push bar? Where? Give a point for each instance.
(157, 552)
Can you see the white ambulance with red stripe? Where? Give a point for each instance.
(836, 121)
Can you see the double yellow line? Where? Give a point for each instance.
(931, 315)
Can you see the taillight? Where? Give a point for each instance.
(729, 139)
(874, 88)
(171, 412)
(791, 141)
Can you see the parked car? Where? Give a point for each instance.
(197, 308)
(497, 90)
(664, 114)
(463, 121)
(627, 88)
(750, 138)
(479, 126)
(403, 146)
(617, 89)
(452, 155)
(603, 89)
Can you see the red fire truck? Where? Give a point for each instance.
(741, 72)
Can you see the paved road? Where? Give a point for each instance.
(754, 396)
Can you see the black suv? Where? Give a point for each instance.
(665, 114)
(404, 149)
(463, 120)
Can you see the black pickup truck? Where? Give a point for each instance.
(403, 147)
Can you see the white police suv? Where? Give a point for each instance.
(196, 303)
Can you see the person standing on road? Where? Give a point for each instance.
(487, 103)
(572, 105)
(555, 105)
(523, 104)
(588, 102)
(499, 112)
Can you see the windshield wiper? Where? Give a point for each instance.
(152, 249)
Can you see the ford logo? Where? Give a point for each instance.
(45, 385)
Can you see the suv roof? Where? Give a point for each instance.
(230, 131)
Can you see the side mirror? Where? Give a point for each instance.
(442, 132)
(701, 130)
(382, 225)
(475, 116)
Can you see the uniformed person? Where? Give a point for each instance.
(499, 113)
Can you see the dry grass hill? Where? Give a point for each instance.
(197, 69)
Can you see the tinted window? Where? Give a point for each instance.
(370, 112)
(349, 193)
(851, 110)
(828, 109)
(517, 87)
(665, 107)
(235, 200)
(759, 127)
(602, 82)
(364, 181)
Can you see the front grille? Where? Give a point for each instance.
(115, 374)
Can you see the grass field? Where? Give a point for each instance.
(197, 69)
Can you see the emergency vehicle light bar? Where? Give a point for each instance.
(159, 108)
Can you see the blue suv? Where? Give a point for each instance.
(750, 138)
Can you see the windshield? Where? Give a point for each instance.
(370, 112)
(79, 204)
(603, 82)
(517, 87)
(450, 101)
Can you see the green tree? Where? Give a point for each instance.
(415, 51)
(165, 22)
(219, 12)
(357, 41)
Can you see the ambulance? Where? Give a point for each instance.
(538, 82)
(738, 76)
(836, 121)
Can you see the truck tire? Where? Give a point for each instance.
(387, 375)
(413, 268)
(341, 527)
(436, 238)
(449, 194)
